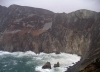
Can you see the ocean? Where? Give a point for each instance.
(31, 62)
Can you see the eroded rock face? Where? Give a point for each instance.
(26, 28)
(20, 25)
(92, 52)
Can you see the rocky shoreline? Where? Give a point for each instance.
(25, 28)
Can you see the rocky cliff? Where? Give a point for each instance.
(20, 24)
(26, 28)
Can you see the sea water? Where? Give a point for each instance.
(32, 62)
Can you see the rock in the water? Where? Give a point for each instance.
(47, 66)
(56, 65)
(57, 52)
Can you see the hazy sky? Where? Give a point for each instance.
(57, 5)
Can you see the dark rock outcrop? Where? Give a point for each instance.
(25, 28)
(93, 67)
(47, 66)
(57, 65)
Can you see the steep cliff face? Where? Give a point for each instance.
(92, 50)
(2, 16)
(19, 23)
(71, 32)
(26, 28)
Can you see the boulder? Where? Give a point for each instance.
(47, 66)
(56, 65)
(57, 52)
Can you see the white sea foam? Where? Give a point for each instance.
(64, 59)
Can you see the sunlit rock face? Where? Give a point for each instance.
(39, 30)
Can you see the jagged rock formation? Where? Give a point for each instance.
(47, 66)
(57, 65)
(26, 28)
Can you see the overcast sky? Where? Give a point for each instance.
(57, 5)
